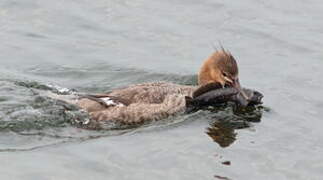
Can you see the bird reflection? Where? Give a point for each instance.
(229, 118)
(222, 133)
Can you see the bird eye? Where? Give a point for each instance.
(225, 74)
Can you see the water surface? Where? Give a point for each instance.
(95, 46)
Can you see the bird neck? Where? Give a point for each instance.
(209, 73)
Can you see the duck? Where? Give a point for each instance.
(154, 101)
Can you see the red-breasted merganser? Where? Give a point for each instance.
(140, 103)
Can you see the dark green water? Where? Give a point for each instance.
(95, 46)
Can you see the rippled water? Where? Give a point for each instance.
(98, 45)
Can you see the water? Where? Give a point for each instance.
(95, 46)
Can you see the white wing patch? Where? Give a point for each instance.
(108, 101)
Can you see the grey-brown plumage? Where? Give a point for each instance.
(145, 102)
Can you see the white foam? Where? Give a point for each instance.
(60, 89)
